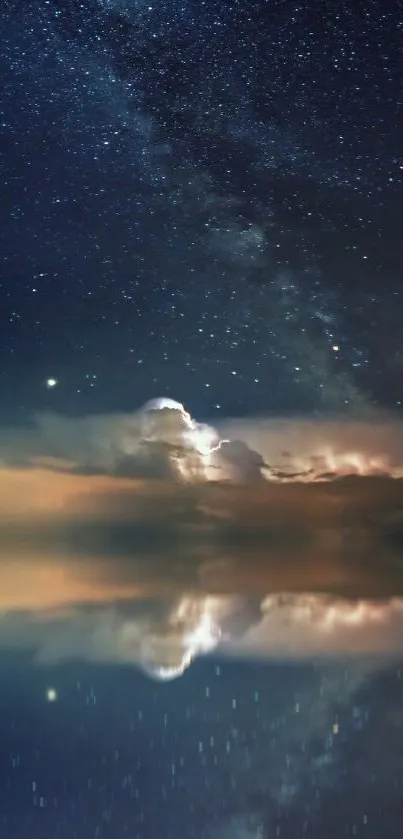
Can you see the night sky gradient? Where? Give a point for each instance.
(201, 200)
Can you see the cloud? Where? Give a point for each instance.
(151, 538)
(312, 626)
(371, 443)
(163, 635)
(150, 442)
(162, 440)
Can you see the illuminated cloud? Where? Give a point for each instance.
(149, 538)
(159, 636)
(163, 637)
(162, 440)
(320, 626)
(319, 448)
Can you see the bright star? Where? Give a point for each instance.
(51, 382)
(51, 695)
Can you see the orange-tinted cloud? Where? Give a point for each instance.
(103, 563)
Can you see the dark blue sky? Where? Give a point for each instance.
(201, 200)
(226, 748)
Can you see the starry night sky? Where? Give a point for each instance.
(120, 756)
(201, 200)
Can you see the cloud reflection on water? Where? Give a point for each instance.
(107, 569)
(102, 559)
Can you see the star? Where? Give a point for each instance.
(51, 695)
(51, 382)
